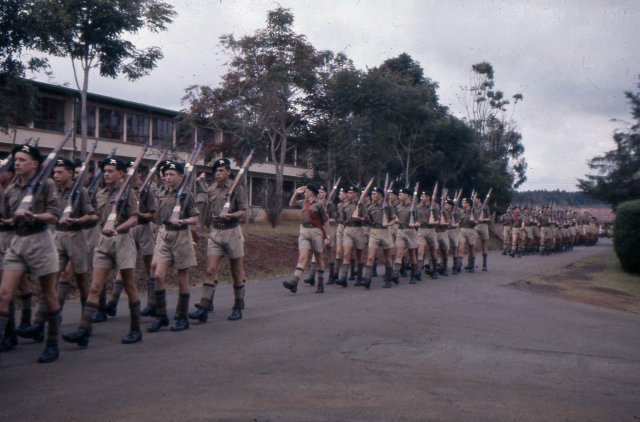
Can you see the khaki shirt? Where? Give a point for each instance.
(103, 205)
(47, 201)
(316, 208)
(423, 212)
(404, 214)
(375, 214)
(217, 196)
(84, 204)
(167, 201)
(465, 219)
(146, 204)
(348, 208)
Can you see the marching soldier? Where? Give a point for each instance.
(225, 239)
(353, 236)
(313, 234)
(483, 217)
(338, 219)
(427, 238)
(407, 237)
(32, 249)
(173, 247)
(116, 250)
(454, 237)
(516, 233)
(468, 235)
(379, 218)
(507, 225)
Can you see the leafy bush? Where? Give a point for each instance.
(626, 235)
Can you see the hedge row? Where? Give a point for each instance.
(626, 235)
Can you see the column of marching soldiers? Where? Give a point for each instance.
(104, 219)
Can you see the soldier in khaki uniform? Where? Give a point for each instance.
(32, 249)
(225, 239)
(483, 217)
(342, 197)
(313, 234)
(407, 237)
(379, 236)
(426, 222)
(173, 247)
(468, 235)
(116, 250)
(507, 223)
(454, 238)
(353, 235)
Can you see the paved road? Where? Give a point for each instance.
(460, 348)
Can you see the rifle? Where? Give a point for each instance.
(412, 218)
(356, 212)
(36, 184)
(474, 195)
(385, 219)
(484, 204)
(185, 184)
(123, 192)
(332, 194)
(91, 189)
(73, 197)
(443, 198)
(146, 184)
(433, 198)
(245, 166)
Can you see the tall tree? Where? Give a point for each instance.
(617, 172)
(92, 33)
(490, 113)
(264, 99)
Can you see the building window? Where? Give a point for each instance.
(206, 135)
(110, 124)
(258, 192)
(91, 119)
(50, 115)
(137, 128)
(162, 132)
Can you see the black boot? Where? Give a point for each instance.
(434, 270)
(50, 354)
(342, 282)
(209, 308)
(9, 342)
(134, 336)
(471, 268)
(367, 283)
(112, 308)
(291, 285)
(99, 316)
(181, 324)
(200, 314)
(444, 270)
(80, 337)
(148, 311)
(236, 311)
(34, 331)
(311, 281)
(484, 262)
(158, 323)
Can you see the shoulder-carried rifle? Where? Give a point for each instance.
(484, 204)
(412, 210)
(36, 184)
(443, 199)
(97, 176)
(385, 203)
(185, 184)
(334, 189)
(243, 169)
(73, 196)
(123, 192)
(433, 199)
(146, 184)
(356, 212)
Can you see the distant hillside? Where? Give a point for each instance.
(558, 197)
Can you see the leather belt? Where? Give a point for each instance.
(171, 228)
(31, 229)
(224, 225)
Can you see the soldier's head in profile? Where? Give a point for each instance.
(221, 169)
(425, 198)
(113, 170)
(405, 194)
(377, 195)
(352, 192)
(63, 171)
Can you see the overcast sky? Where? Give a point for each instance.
(571, 60)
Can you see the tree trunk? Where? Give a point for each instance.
(84, 129)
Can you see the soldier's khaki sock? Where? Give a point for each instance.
(297, 273)
(41, 311)
(183, 305)
(89, 310)
(118, 286)
(134, 315)
(151, 291)
(367, 272)
(63, 288)
(208, 290)
(25, 317)
(54, 319)
(161, 302)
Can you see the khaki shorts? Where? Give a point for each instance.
(545, 233)
(516, 233)
(380, 238)
(176, 248)
(393, 231)
(469, 236)
(529, 232)
(339, 234)
(427, 236)
(92, 236)
(5, 241)
(354, 237)
(144, 239)
(310, 239)
(506, 234)
(332, 235)
(536, 232)
(454, 237)
(228, 242)
(572, 231)
(483, 231)
(35, 254)
(443, 240)
(407, 238)
(72, 247)
(115, 252)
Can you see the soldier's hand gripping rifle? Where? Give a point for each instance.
(334, 189)
(412, 210)
(356, 212)
(117, 203)
(36, 184)
(243, 169)
(385, 203)
(433, 198)
(73, 196)
(185, 185)
(146, 184)
(484, 204)
(97, 176)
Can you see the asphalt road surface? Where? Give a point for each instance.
(466, 347)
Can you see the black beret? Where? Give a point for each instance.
(313, 188)
(425, 193)
(322, 187)
(407, 191)
(378, 190)
(395, 192)
(221, 162)
(64, 162)
(33, 152)
(450, 202)
(163, 165)
(342, 190)
(179, 167)
(117, 162)
(353, 189)
(78, 163)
